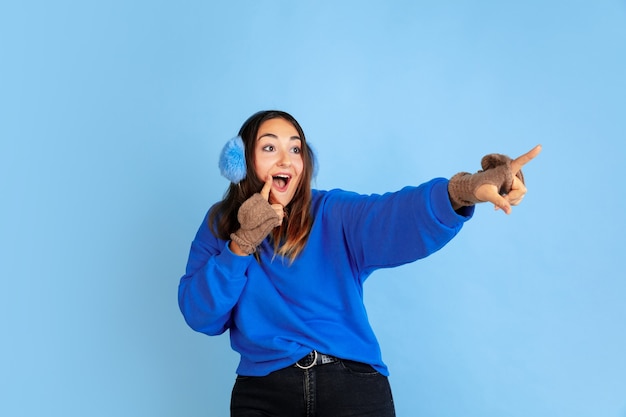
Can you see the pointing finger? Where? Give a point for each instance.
(265, 192)
(519, 162)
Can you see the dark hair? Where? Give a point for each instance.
(291, 237)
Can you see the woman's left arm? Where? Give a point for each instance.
(396, 228)
(382, 231)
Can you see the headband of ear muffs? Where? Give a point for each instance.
(232, 161)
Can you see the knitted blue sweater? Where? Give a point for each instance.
(278, 312)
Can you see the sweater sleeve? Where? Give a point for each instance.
(382, 231)
(212, 284)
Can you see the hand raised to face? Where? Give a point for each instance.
(265, 193)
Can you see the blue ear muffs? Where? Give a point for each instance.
(316, 166)
(232, 161)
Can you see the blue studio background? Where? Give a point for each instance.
(112, 115)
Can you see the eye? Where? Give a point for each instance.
(296, 149)
(268, 148)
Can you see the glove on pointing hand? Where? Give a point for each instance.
(257, 219)
(496, 171)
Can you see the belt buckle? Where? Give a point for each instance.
(312, 362)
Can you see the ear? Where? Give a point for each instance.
(232, 161)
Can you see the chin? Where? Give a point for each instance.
(283, 200)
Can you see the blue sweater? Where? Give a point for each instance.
(277, 312)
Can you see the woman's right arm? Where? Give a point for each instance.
(216, 269)
(212, 284)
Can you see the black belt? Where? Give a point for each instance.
(315, 358)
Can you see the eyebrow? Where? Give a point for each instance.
(271, 135)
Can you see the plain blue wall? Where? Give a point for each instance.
(112, 114)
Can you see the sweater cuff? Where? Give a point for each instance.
(442, 207)
(235, 264)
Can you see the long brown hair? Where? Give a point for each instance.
(291, 237)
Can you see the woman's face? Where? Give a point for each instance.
(278, 153)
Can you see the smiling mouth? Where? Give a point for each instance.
(281, 181)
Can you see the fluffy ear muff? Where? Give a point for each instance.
(314, 161)
(233, 160)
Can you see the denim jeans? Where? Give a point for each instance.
(340, 389)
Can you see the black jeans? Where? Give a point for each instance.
(340, 389)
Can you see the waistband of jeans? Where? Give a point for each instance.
(315, 358)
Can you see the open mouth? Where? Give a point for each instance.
(281, 181)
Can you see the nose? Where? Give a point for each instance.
(284, 160)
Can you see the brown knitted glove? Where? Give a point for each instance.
(257, 219)
(496, 171)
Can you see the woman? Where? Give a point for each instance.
(282, 267)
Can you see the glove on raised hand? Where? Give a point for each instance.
(257, 219)
(496, 171)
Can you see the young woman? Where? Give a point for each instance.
(282, 267)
